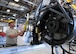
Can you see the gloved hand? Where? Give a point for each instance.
(26, 23)
(25, 26)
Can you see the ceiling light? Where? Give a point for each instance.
(16, 0)
(8, 18)
(2, 19)
(4, 16)
(22, 9)
(14, 14)
(8, 10)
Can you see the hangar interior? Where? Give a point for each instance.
(37, 26)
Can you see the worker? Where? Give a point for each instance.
(12, 34)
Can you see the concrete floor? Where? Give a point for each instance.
(43, 49)
(36, 49)
(46, 49)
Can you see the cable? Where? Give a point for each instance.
(65, 50)
(72, 48)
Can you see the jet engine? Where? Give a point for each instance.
(55, 24)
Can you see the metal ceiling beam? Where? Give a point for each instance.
(1, 16)
(29, 2)
(7, 12)
(11, 7)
